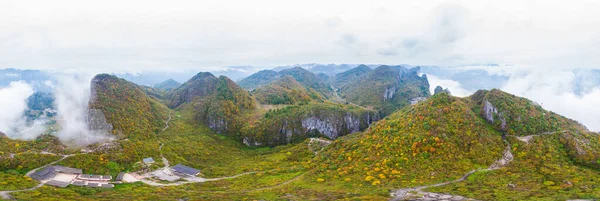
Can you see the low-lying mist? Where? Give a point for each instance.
(13, 103)
(72, 96)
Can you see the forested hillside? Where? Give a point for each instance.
(130, 111)
(386, 89)
(285, 90)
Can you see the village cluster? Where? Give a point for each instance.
(60, 176)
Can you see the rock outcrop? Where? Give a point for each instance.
(96, 120)
(489, 111)
(316, 120)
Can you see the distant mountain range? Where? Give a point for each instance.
(367, 133)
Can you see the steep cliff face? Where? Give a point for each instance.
(489, 111)
(296, 123)
(121, 107)
(97, 121)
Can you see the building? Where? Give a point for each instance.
(120, 176)
(67, 170)
(94, 185)
(148, 160)
(61, 184)
(44, 174)
(51, 171)
(185, 170)
(78, 183)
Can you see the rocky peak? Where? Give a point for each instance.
(201, 85)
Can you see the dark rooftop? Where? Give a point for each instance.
(107, 186)
(185, 169)
(93, 185)
(78, 183)
(68, 170)
(120, 176)
(61, 184)
(44, 174)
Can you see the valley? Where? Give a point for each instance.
(293, 135)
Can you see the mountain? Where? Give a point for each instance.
(296, 123)
(387, 88)
(446, 145)
(201, 85)
(167, 85)
(123, 108)
(260, 78)
(40, 104)
(36, 78)
(218, 103)
(433, 141)
(302, 76)
(519, 116)
(308, 79)
(285, 90)
(438, 89)
(352, 75)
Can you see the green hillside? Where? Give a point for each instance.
(296, 123)
(434, 141)
(302, 76)
(285, 91)
(342, 79)
(386, 89)
(167, 85)
(308, 79)
(127, 107)
(519, 116)
(258, 79)
(201, 85)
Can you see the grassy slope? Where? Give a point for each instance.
(285, 91)
(541, 170)
(368, 90)
(523, 116)
(434, 141)
(442, 136)
(127, 107)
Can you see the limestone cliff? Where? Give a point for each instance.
(297, 123)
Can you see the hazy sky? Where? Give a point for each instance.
(145, 35)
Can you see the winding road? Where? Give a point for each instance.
(191, 180)
(528, 138)
(417, 193)
(6, 194)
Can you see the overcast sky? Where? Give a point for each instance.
(137, 35)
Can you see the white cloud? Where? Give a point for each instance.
(134, 35)
(72, 94)
(12, 104)
(554, 91)
(453, 86)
